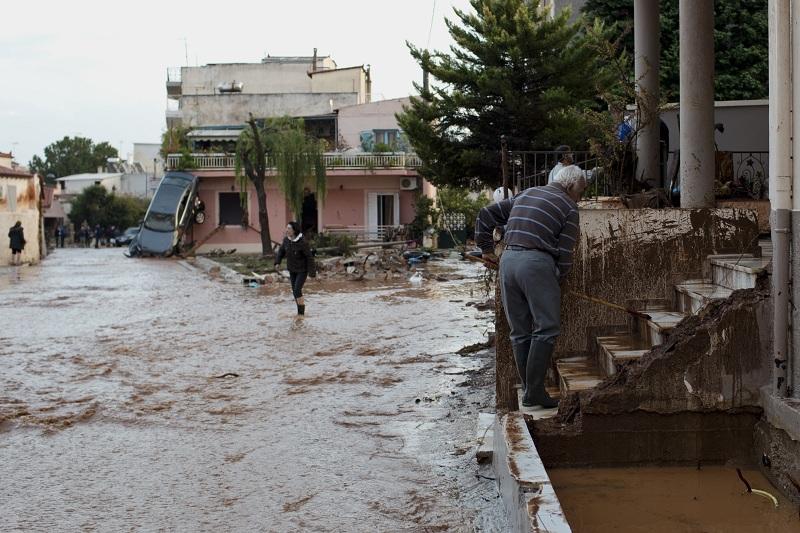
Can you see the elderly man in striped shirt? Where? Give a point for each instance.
(541, 228)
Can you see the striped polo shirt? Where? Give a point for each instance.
(542, 218)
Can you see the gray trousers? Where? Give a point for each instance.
(531, 295)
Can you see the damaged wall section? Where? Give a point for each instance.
(641, 253)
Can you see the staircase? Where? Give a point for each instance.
(626, 343)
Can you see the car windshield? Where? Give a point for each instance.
(160, 222)
(161, 216)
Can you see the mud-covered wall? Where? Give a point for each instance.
(26, 210)
(625, 254)
(717, 360)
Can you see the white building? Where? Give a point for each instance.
(225, 94)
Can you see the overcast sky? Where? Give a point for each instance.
(98, 68)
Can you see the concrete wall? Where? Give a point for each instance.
(351, 80)
(641, 253)
(235, 108)
(145, 153)
(261, 78)
(373, 116)
(746, 126)
(26, 211)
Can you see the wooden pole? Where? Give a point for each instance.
(504, 165)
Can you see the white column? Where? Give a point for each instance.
(784, 187)
(780, 181)
(646, 32)
(697, 102)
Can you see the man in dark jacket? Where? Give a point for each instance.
(299, 262)
(16, 239)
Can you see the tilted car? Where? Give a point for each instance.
(169, 215)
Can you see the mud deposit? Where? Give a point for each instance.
(143, 395)
(674, 500)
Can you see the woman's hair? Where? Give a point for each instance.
(18, 224)
(295, 227)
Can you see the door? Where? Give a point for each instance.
(383, 209)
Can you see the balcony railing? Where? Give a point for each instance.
(333, 161)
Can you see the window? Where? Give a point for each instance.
(230, 208)
(387, 137)
(12, 198)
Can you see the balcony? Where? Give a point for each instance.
(174, 82)
(333, 161)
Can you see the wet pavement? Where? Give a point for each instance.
(145, 395)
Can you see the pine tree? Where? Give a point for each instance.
(513, 71)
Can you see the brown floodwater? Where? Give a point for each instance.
(144, 395)
(670, 500)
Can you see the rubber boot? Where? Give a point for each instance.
(301, 309)
(521, 357)
(535, 375)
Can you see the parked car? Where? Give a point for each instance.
(126, 237)
(169, 215)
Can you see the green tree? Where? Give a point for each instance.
(513, 71)
(96, 205)
(740, 44)
(297, 158)
(72, 155)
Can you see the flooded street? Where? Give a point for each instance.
(145, 395)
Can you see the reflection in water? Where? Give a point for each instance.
(137, 394)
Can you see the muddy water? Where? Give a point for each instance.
(670, 500)
(114, 415)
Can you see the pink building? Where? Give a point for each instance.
(367, 193)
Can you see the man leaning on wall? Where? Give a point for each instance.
(541, 229)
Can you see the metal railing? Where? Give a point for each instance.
(743, 174)
(532, 169)
(333, 160)
(174, 75)
(368, 233)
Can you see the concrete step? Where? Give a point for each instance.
(538, 412)
(694, 294)
(577, 374)
(655, 331)
(766, 248)
(736, 271)
(485, 437)
(615, 350)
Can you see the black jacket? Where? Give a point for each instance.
(298, 256)
(17, 238)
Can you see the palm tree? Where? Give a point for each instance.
(296, 156)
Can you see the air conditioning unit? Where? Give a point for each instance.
(408, 184)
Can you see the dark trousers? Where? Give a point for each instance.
(531, 295)
(297, 279)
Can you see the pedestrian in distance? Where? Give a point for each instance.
(541, 229)
(86, 234)
(98, 234)
(299, 262)
(61, 232)
(16, 238)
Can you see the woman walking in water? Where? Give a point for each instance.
(299, 262)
